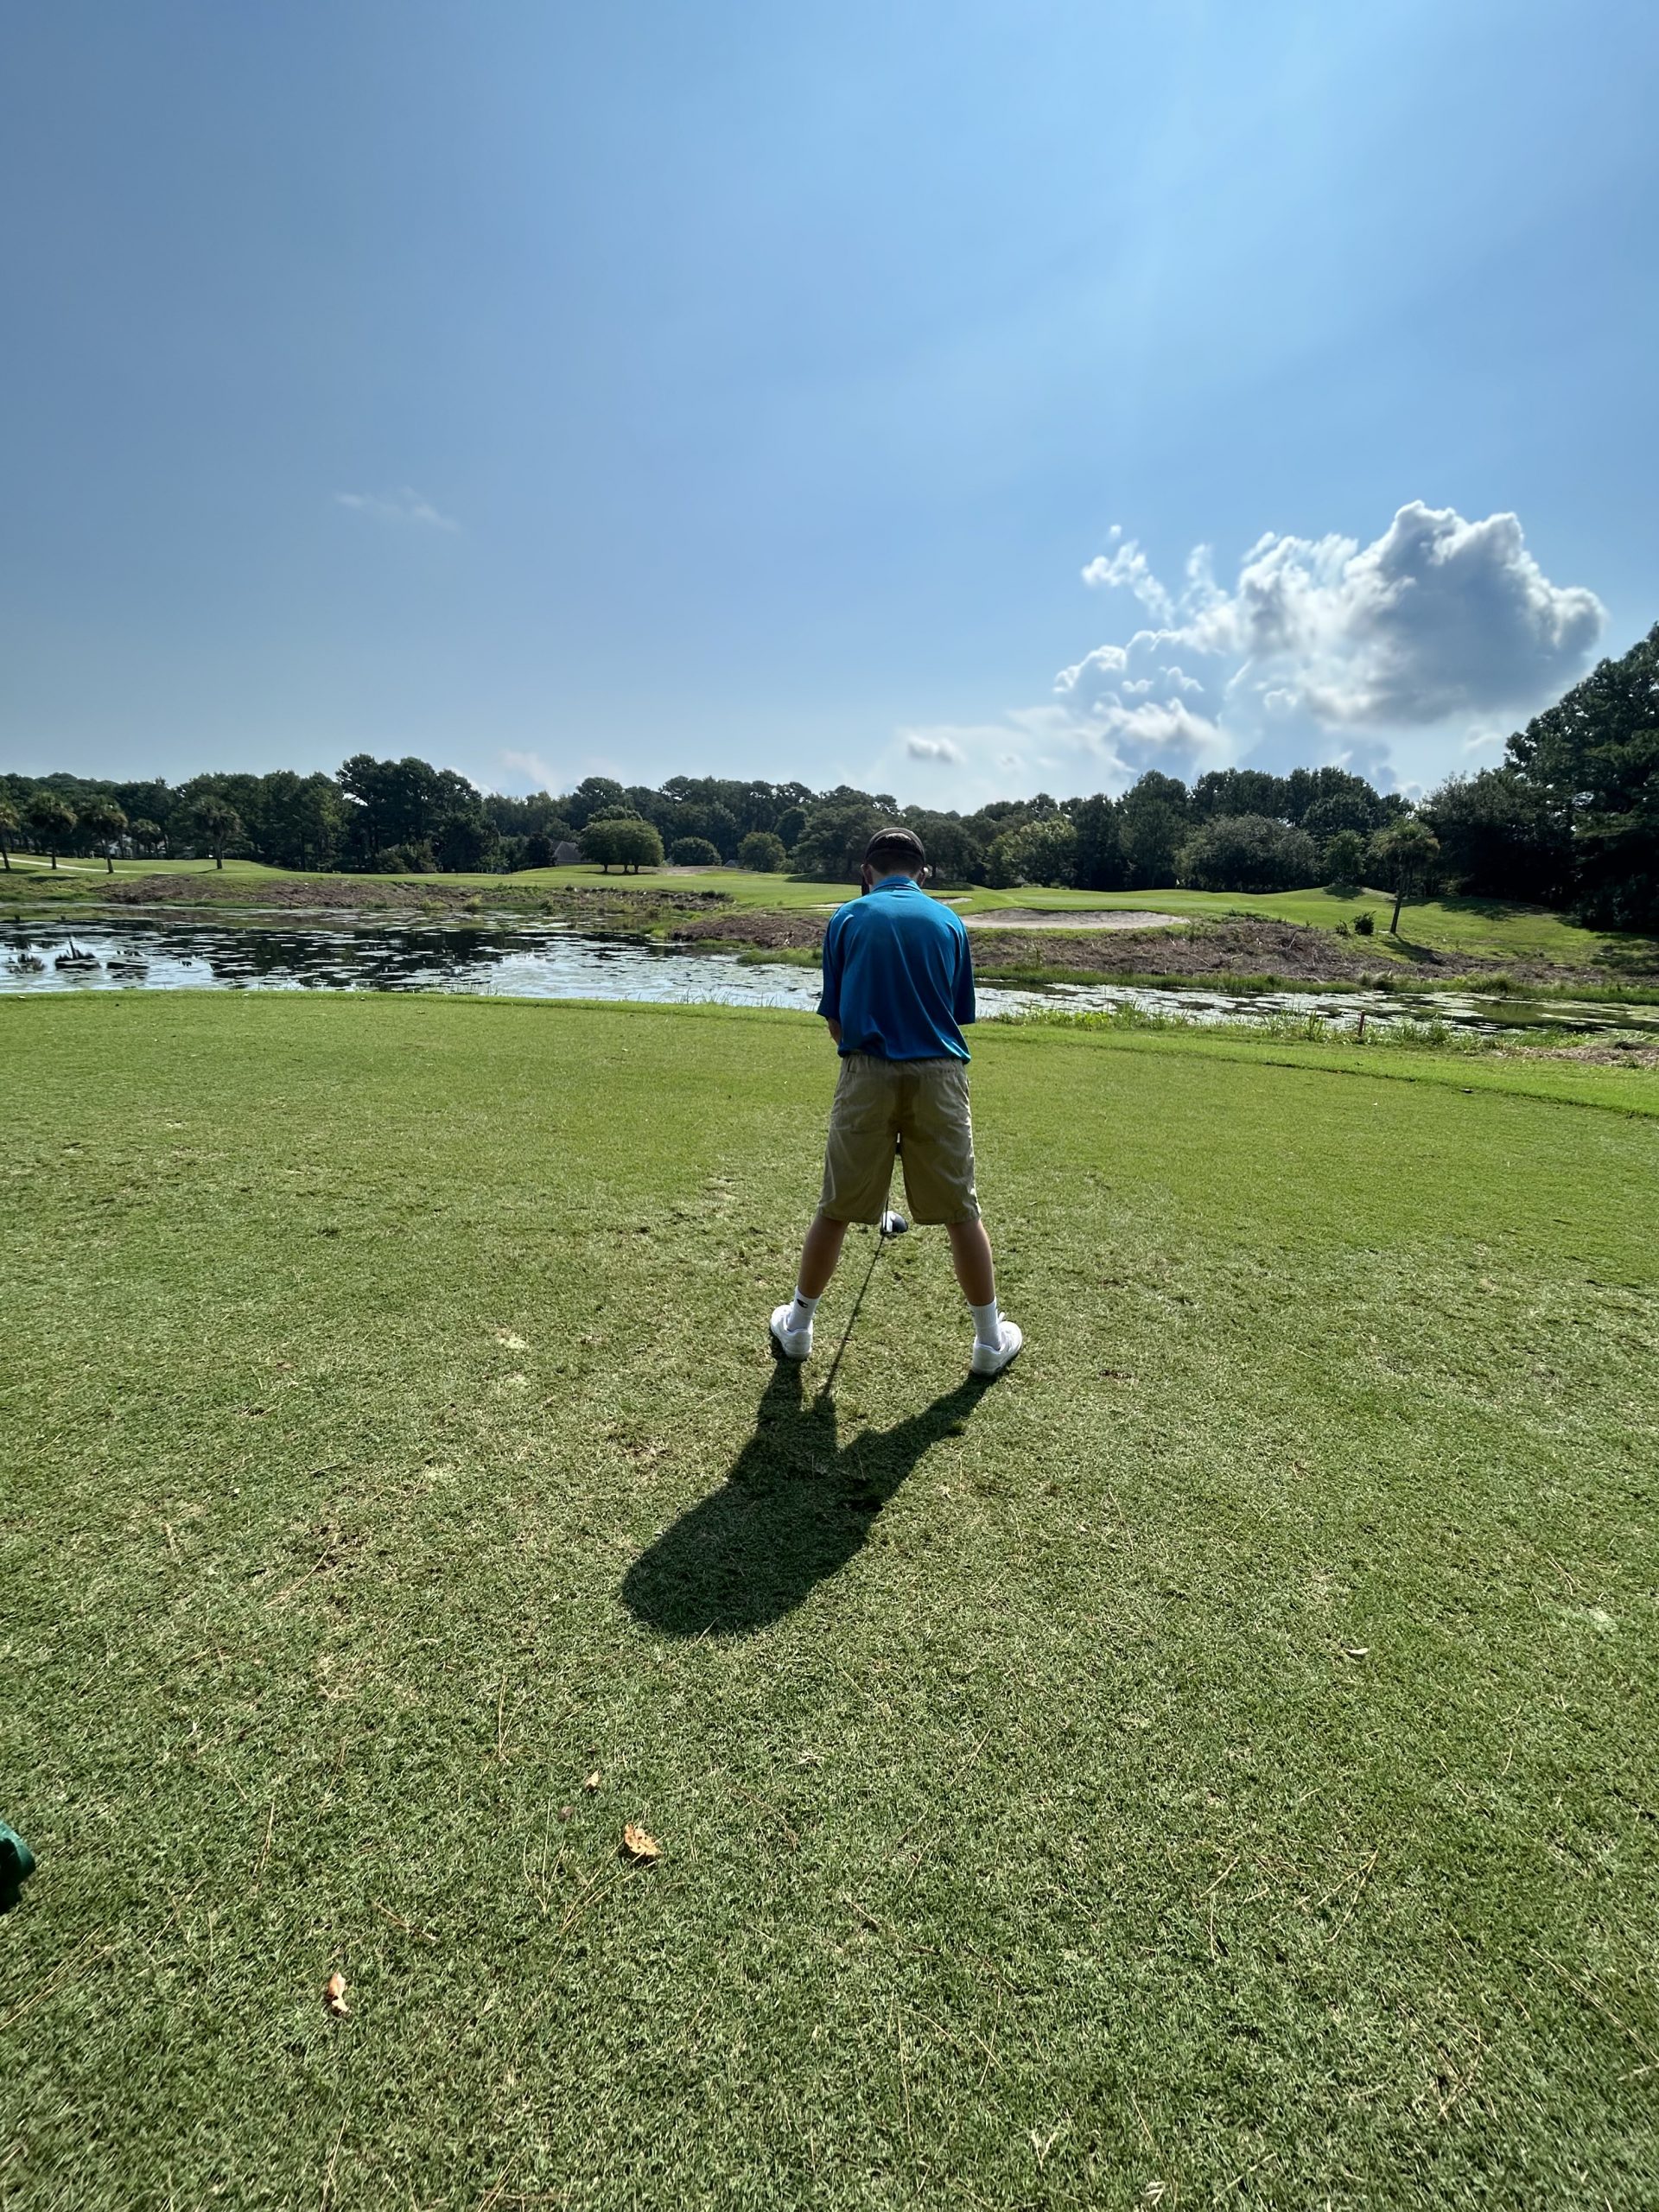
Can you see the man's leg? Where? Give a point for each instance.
(819, 1255)
(970, 1256)
(791, 1325)
(938, 1157)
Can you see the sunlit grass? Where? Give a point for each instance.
(1222, 1747)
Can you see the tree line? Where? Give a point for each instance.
(1569, 819)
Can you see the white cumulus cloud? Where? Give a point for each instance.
(404, 506)
(1397, 657)
(1437, 617)
(1128, 566)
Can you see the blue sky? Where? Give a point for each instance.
(832, 391)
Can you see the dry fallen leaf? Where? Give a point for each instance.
(592, 1781)
(566, 1812)
(1356, 1650)
(639, 1845)
(334, 1995)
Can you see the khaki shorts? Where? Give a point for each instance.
(878, 1102)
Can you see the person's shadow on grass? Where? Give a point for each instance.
(796, 1506)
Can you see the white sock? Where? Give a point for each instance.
(800, 1314)
(987, 1326)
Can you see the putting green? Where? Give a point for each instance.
(1214, 1762)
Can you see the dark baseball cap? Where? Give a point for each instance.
(900, 848)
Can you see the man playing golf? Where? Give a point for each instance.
(898, 988)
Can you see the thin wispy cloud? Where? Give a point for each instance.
(942, 749)
(530, 764)
(407, 507)
(1127, 565)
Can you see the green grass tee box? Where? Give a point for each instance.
(1214, 1763)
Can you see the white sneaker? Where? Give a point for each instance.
(991, 1359)
(794, 1343)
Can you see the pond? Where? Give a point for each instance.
(507, 957)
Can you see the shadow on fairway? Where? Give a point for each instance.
(796, 1507)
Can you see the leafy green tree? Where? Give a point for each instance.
(537, 816)
(400, 802)
(1343, 801)
(268, 812)
(622, 841)
(416, 859)
(360, 784)
(1594, 758)
(594, 796)
(1100, 864)
(1037, 852)
(1153, 824)
(1403, 857)
(465, 843)
(50, 822)
(11, 823)
(316, 822)
(763, 853)
(1361, 810)
(1240, 791)
(146, 800)
(598, 843)
(1344, 859)
(694, 852)
(838, 830)
(1501, 838)
(145, 835)
(103, 822)
(638, 845)
(789, 825)
(1618, 855)
(707, 819)
(1249, 852)
(955, 855)
(215, 822)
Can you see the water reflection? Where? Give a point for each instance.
(512, 959)
(507, 959)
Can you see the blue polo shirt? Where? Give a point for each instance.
(898, 974)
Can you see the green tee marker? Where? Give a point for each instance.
(17, 1865)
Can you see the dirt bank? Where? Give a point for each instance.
(1101, 918)
(1293, 950)
(771, 932)
(291, 893)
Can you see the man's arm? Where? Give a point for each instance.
(829, 997)
(964, 1006)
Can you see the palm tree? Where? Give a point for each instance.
(1406, 853)
(215, 822)
(104, 822)
(11, 823)
(50, 820)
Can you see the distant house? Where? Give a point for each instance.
(565, 854)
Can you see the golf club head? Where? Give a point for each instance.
(893, 1225)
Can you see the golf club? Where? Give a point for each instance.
(891, 1224)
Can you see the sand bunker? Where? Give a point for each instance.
(1101, 918)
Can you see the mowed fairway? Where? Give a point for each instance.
(1216, 1763)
